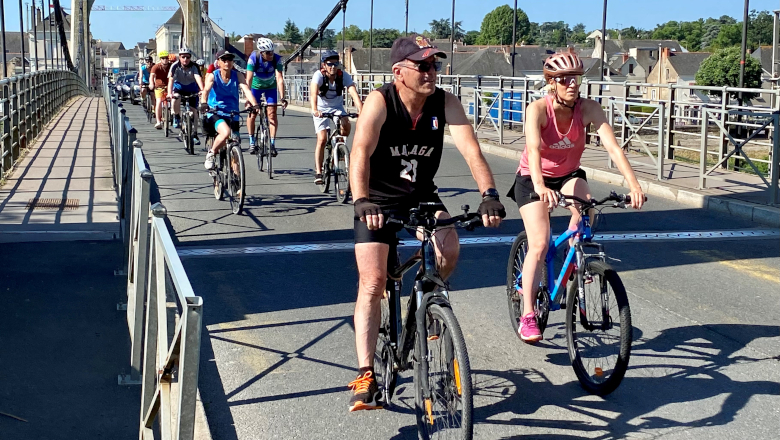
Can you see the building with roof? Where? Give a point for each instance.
(169, 36)
(42, 24)
(764, 55)
(675, 68)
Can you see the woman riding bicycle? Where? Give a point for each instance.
(555, 130)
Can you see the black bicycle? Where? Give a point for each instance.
(167, 117)
(263, 141)
(430, 340)
(229, 173)
(187, 121)
(148, 105)
(336, 163)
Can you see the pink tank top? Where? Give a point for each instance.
(561, 152)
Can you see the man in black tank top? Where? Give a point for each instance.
(395, 156)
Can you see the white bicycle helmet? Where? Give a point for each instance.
(201, 62)
(265, 45)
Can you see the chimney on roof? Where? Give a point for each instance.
(570, 50)
(626, 56)
(665, 52)
(206, 7)
(249, 45)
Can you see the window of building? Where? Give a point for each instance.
(630, 68)
(174, 42)
(653, 94)
(667, 74)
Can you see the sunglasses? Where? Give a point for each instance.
(185, 56)
(424, 66)
(267, 52)
(569, 80)
(332, 63)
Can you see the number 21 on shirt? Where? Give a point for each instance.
(410, 170)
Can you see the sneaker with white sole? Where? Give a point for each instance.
(158, 125)
(209, 163)
(529, 330)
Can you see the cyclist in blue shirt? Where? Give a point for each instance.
(221, 89)
(143, 76)
(264, 76)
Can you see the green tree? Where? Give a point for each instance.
(382, 37)
(497, 26)
(722, 69)
(291, 32)
(578, 34)
(352, 32)
(729, 35)
(554, 34)
(471, 37)
(760, 28)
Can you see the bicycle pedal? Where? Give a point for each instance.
(212, 173)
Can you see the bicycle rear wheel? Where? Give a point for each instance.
(384, 370)
(599, 347)
(514, 287)
(188, 134)
(267, 146)
(236, 179)
(166, 119)
(449, 411)
(341, 178)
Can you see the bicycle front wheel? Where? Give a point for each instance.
(166, 120)
(267, 147)
(341, 178)
(327, 169)
(598, 329)
(188, 135)
(236, 180)
(448, 412)
(384, 370)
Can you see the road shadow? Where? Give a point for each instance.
(678, 365)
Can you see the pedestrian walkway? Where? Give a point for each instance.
(63, 189)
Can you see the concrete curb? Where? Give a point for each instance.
(202, 431)
(751, 211)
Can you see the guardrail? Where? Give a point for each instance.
(164, 335)
(666, 121)
(27, 103)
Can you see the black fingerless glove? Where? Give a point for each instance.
(492, 207)
(364, 208)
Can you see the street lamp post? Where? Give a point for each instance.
(371, 39)
(603, 41)
(21, 33)
(452, 41)
(514, 36)
(406, 26)
(744, 49)
(2, 36)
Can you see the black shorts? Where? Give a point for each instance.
(191, 100)
(524, 186)
(388, 234)
(211, 122)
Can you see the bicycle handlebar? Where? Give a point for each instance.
(620, 200)
(420, 219)
(334, 114)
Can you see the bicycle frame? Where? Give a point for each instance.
(582, 234)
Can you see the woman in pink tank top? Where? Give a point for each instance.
(555, 141)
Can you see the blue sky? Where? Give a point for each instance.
(132, 27)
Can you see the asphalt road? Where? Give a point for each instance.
(278, 345)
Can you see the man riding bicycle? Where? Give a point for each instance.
(158, 81)
(264, 75)
(395, 156)
(329, 83)
(555, 139)
(184, 77)
(143, 76)
(221, 91)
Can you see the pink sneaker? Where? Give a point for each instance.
(529, 331)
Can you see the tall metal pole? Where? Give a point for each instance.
(2, 36)
(35, 33)
(371, 39)
(774, 46)
(406, 26)
(744, 49)
(344, 30)
(43, 25)
(514, 36)
(603, 41)
(21, 33)
(452, 41)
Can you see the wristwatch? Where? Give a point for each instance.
(491, 193)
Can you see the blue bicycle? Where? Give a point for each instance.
(599, 342)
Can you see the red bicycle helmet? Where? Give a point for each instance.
(563, 63)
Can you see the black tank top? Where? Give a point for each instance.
(408, 153)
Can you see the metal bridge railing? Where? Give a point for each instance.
(165, 334)
(27, 103)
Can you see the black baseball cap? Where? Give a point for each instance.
(223, 53)
(415, 48)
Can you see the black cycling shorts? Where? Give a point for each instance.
(523, 188)
(211, 122)
(388, 234)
